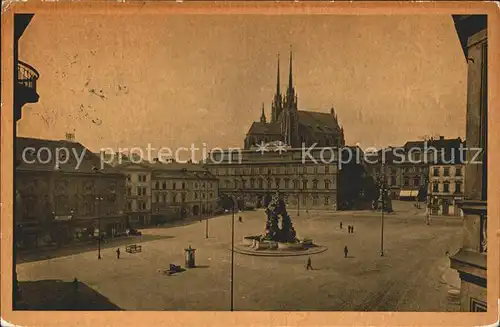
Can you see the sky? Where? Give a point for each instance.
(176, 80)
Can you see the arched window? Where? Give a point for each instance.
(304, 184)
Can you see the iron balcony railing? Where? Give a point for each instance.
(27, 75)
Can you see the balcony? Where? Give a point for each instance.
(27, 77)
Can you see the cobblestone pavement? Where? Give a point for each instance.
(409, 277)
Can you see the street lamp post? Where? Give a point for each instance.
(232, 254)
(99, 199)
(206, 208)
(301, 184)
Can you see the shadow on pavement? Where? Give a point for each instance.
(61, 295)
(49, 253)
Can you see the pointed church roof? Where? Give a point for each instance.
(318, 121)
(263, 115)
(265, 128)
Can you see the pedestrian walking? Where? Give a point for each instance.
(345, 251)
(340, 225)
(75, 284)
(240, 219)
(118, 253)
(309, 265)
(352, 229)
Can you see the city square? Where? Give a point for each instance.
(413, 274)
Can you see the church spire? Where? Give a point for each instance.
(263, 115)
(277, 105)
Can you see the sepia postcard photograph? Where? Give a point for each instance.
(273, 158)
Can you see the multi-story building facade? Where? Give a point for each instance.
(57, 203)
(471, 260)
(252, 175)
(446, 187)
(406, 168)
(138, 185)
(181, 190)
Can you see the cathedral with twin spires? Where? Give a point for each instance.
(292, 126)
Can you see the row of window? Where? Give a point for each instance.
(142, 190)
(285, 169)
(436, 171)
(141, 205)
(140, 178)
(276, 182)
(180, 197)
(163, 185)
(315, 200)
(181, 185)
(406, 181)
(445, 187)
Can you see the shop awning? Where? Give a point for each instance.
(408, 193)
(63, 218)
(405, 193)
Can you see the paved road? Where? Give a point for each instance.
(407, 278)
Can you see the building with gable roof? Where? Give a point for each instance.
(292, 126)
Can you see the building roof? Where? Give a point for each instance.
(319, 122)
(265, 128)
(188, 170)
(40, 155)
(439, 143)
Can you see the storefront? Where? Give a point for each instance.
(445, 206)
(408, 195)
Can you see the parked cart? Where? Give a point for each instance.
(133, 248)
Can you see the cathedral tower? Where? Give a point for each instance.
(290, 123)
(277, 105)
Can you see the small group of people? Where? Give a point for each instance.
(350, 228)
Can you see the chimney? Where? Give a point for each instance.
(70, 137)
